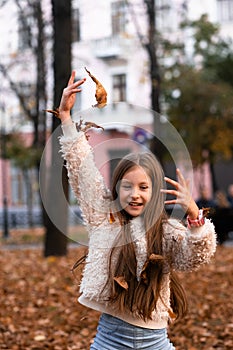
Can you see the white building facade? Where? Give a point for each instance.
(106, 41)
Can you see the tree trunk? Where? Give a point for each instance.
(41, 97)
(156, 145)
(151, 47)
(56, 240)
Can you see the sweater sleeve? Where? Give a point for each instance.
(187, 249)
(84, 177)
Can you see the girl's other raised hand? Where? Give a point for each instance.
(69, 96)
(182, 193)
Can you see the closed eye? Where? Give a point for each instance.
(126, 187)
(144, 187)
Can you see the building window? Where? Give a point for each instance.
(225, 10)
(76, 25)
(119, 87)
(118, 10)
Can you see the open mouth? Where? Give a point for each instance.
(135, 204)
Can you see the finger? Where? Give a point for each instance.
(171, 182)
(73, 86)
(180, 177)
(74, 91)
(184, 182)
(171, 192)
(72, 77)
(171, 201)
(188, 184)
(80, 82)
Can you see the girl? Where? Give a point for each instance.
(134, 248)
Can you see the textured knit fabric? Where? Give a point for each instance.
(185, 249)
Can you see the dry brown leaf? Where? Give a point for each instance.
(39, 308)
(100, 92)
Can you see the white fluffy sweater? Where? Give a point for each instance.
(186, 248)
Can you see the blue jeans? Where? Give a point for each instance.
(115, 334)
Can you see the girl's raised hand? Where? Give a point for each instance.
(68, 96)
(182, 193)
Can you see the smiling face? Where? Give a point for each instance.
(135, 191)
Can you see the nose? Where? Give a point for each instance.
(134, 193)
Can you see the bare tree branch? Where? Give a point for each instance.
(2, 3)
(141, 38)
(17, 92)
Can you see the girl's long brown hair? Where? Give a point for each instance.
(140, 296)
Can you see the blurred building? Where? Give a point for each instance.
(105, 40)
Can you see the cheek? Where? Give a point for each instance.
(122, 195)
(148, 197)
(122, 199)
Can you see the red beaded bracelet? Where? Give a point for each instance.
(196, 222)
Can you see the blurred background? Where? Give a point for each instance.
(172, 57)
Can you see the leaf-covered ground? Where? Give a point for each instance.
(39, 308)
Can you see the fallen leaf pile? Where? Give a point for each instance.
(39, 308)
